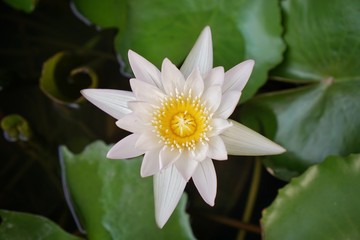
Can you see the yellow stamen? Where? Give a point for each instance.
(182, 121)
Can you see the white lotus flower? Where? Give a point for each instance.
(179, 120)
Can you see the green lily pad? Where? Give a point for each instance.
(321, 118)
(24, 5)
(161, 28)
(323, 203)
(113, 201)
(19, 226)
(321, 46)
(109, 13)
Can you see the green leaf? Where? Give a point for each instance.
(312, 123)
(64, 75)
(19, 226)
(323, 203)
(161, 28)
(320, 45)
(109, 13)
(15, 128)
(321, 118)
(113, 201)
(23, 5)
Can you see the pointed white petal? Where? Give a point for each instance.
(200, 56)
(214, 77)
(205, 181)
(195, 83)
(229, 101)
(168, 156)
(148, 141)
(125, 148)
(237, 77)
(200, 152)
(168, 188)
(144, 70)
(186, 165)
(171, 77)
(142, 110)
(150, 164)
(113, 102)
(217, 149)
(212, 98)
(146, 92)
(218, 126)
(241, 140)
(132, 123)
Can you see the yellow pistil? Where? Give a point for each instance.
(182, 121)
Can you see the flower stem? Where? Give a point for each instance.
(255, 182)
(232, 223)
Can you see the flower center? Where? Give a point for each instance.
(182, 121)
(183, 124)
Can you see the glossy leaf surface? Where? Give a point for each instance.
(158, 29)
(323, 203)
(19, 226)
(113, 201)
(321, 118)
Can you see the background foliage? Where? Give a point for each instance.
(303, 94)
